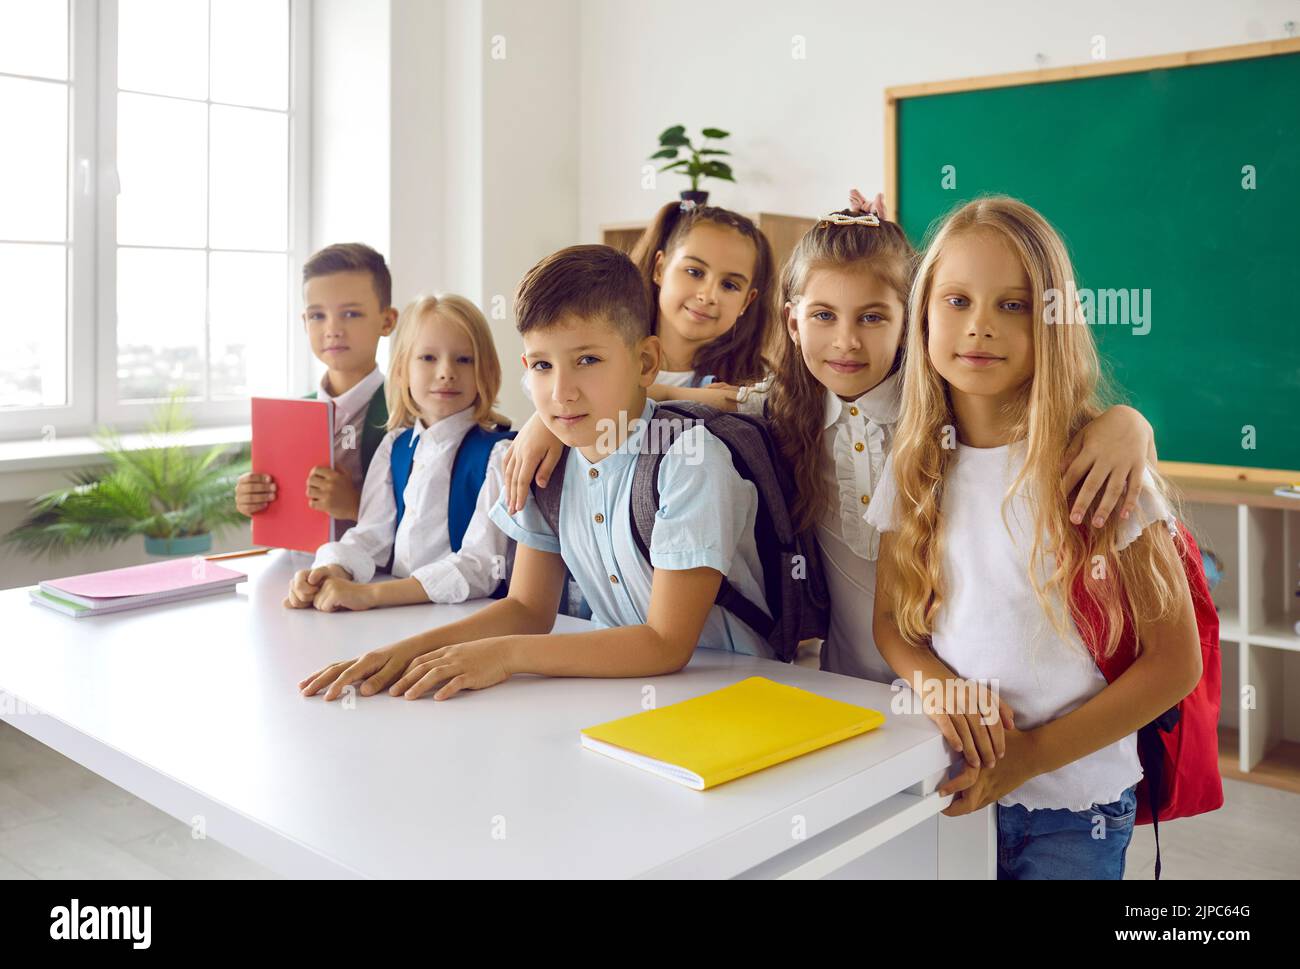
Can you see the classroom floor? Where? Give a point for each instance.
(59, 820)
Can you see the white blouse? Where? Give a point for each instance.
(857, 440)
(421, 547)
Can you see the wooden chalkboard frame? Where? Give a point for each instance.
(1130, 65)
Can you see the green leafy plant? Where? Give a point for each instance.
(702, 162)
(165, 491)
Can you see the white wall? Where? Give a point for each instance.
(447, 137)
(804, 131)
(530, 159)
(350, 122)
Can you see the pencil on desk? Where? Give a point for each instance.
(237, 555)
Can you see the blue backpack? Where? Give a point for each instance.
(468, 472)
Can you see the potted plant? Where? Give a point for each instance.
(173, 496)
(702, 162)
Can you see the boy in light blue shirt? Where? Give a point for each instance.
(705, 519)
(585, 317)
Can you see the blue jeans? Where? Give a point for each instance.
(1055, 843)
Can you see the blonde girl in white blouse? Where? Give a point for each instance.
(833, 402)
(443, 381)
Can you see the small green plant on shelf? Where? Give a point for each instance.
(698, 163)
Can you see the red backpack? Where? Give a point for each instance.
(1179, 750)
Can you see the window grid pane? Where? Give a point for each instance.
(230, 342)
(35, 234)
(34, 41)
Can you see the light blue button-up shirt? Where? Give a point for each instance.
(705, 518)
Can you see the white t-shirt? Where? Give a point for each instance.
(991, 626)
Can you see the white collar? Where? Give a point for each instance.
(354, 400)
(451, 428)
(880, 404)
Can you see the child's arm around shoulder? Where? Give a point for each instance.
(1106, 461)
(719, 395)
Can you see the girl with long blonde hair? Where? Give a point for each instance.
(434, 477)
(835, 400)
(979, 555)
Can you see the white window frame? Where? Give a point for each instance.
(92, 192)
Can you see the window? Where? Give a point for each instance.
(150, 229)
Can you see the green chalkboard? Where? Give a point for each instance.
(1142, 173)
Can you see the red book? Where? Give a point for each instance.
(290, 437)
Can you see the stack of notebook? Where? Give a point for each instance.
(140, 585)
(731, 732)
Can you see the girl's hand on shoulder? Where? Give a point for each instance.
(532, 455)
(722, 396)
(717, 394)
(474, 665)
(1109, 456)
(977, 787)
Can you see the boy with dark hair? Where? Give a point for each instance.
(584, 314)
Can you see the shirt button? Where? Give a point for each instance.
(600, 519)
(858, 446)
(866, 499)
(593, 473)
(853, 411)
(614, 579)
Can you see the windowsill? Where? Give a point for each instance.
(29, 468)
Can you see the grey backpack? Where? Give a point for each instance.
(795, 592)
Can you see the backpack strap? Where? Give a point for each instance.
(374, 428)
(645, 506)
(548, 498)
(572, 602)
(468, 472)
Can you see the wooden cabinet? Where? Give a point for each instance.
(782, 231)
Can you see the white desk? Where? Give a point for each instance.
(194, 707)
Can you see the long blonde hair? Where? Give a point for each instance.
(402, 409)
(1062, 397)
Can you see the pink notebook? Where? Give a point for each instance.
(157, 579)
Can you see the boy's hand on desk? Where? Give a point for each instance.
(463, 666)
(977, 787)
(253, 492)
(306, 584)
(334, 493)
(377, 669)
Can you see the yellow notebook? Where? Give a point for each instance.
(740, 729)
